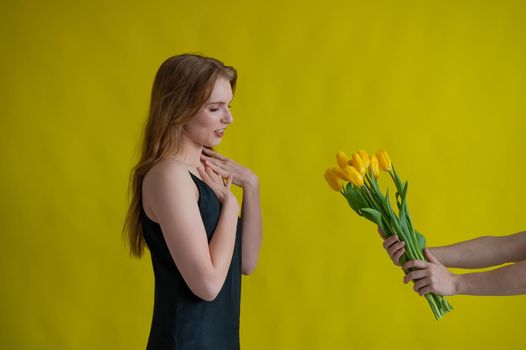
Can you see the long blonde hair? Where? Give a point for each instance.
(181, 87)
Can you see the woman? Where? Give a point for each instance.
(480, 252)
(183, 210)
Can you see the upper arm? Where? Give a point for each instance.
(170, 193)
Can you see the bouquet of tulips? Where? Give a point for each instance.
(356, 179)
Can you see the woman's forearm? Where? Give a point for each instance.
(476, 253)
(507, 280)
(483, 251)
(221, 246)
(252, 227)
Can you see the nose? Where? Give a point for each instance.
(227, 117)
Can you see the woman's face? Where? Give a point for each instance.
(208, 126)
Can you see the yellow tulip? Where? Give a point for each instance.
(365, 158)
(358, 163)
(333, 180)
(383, 160)
(340, 173)
(373, 167)
(342, 158)
(356, 177)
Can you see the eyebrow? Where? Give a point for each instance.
(218, 103)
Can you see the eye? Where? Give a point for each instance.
(214, 109)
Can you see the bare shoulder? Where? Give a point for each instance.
(165, 182)
(166, 170)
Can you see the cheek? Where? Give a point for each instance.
(204, 120)
(201, 126)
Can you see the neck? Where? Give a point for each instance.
(190, 153)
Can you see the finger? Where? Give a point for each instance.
(224, 178)
(214, 154)
(421, 283)
(224, 165)
(396, 247)
(216, 168)
(205, 177)
(415, 275)
(213, 175)
(202, 173)
(394, 253)
(426, 290)
(398, 255)
(419, 264)
(208, 177)
(229, 181)
(390, 241)
(431, 257)
(213, 160)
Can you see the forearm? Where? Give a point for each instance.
(222, 244)
(251, 226)
(507, 280)
(483, 251)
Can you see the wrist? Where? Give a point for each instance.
(251, 183)
(230, 203)
(459, 284)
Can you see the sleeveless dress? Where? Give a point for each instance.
(182, 320)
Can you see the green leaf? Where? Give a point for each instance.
(396, 179)
(385, 227)
(403, 221)
(376, 217)
(355, 199)
(401, 195)
(404, 190)
(421, 240)
(373, 215)
(376, 188)
(402, 207)
(390, 211)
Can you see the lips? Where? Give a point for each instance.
(219, 132)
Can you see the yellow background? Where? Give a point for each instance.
(439, 84)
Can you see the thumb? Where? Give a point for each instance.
(431, 257)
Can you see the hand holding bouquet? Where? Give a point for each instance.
(356, 179)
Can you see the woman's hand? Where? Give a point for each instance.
(224, 166)
(218, 183)
(393, 246)
(431, 277)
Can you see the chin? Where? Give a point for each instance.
(212, 143)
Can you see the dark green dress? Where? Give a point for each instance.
(182, 320)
